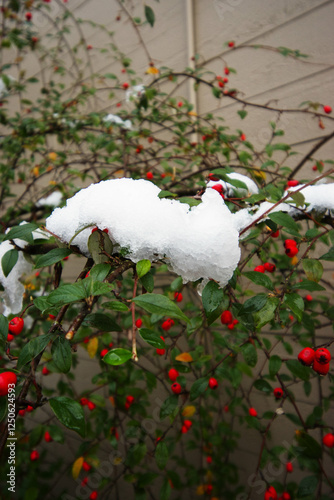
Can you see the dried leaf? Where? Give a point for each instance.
(76, 467)
(188, 411)
(92, 347)
(185, 357)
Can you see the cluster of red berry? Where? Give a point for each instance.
(86, 402)
(129, 401)
(267, 266)
(226, 318)
(318, 359)
(15, 327)
(290, 248)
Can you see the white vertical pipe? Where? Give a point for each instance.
(191, 51)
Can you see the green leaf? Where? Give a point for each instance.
(62, 354)
(102, 321)
(250, 354)
(116, 305)
(254, 304)
(53, 256)
(242, 113)
(23, 232)
(311, 286)
(198, 387)
(152, 338)
(259, 279)
(267, 313)
(295, 303)
(262, 385)
(149, 14)
(148, 282)
(98, 243)
(161, 455)
(310, 447)
(8, 261)
(212, 298)
(100, 271)
(307, 486)
(168, 406)
(298, 198)
(70, 413)
(143, 267)
(160, 304)
(298, 370)
(275, 364)
(117, 356)
(3, 326)
(65, 294)
(33, 348)
(328, 256)
(165, 490)
(216, 92)
(284, 220)
(136, 454)
(313, 269)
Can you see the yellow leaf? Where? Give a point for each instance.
(92, 346)
(192, 113)
(188, 411)
(35, 171)
(259, 174)
(294, 260)
(200, 490)
(52, 156)
(184, 356)
(152, 70)
(76, 467)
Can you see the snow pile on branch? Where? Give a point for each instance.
(53, 200)
(109, 119)
(232, 190)
(319, 197)
(201, 242)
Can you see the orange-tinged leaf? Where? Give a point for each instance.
(92, 346)
(294, 260)
(200, 490)
(76, 467)
(152, 70)
(185, 357)
(188, 411)
(112, 400)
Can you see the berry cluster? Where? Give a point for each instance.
(226, 318)
(290, 248)
(318, 359)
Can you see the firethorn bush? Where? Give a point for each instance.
(132, 381)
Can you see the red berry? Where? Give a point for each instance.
(278, 393)
(29, 408)
(86, 340)
(218, 187)
(6, 378)
(150, 139)
(130, 399)
(275, 234)
(230, 44)
(327, 109)
(270, 494)
(242, 137)
(221, 84)
(173, 374)
(213, 383)
(176, 388)
(125, 85)
(52, 316)
(167, 324)
(290, 243)
(22, 413)
(45, 370)
(314, 168)
(93, 495)
(309, 298)
(114, 432)
(84, 481)
(259, 269)
(289, 467)
(208, 489)
(291, 318)
(285, 496)
(178, 296)
(328, 440)
(119, 104)
(235, 322)
(84, 401)
(269, 267)
(89, 47)
(34, 39)
(104, 352)
(225, 79)
(252, 412)
(161, 352)
(291, 251)
(149, 176)
(47, 437)
(306, 356)
(322, 355)
(230, 326)
(292, 183)
(226, 317)
(86, 466)
(91, 405)
(226, 409)
(34, 455)
(226, 70)
(139, 323)
(209, 460)
(28, 16)
(187, 423)
(180, 104)
(10, 337)
(127, 406)
(320, 368)
(212, 176)
(16, 325)
(184, 429)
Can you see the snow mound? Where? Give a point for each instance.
(231, 190)
(319, 197)
(201, 242)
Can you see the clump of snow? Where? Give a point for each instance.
(109, 119)
(201, 242)
(319, 197)
(134, 92)
(3, 85)
(13, 288)
(53, 200)
(231, 190)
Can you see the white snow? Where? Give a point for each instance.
(53, 200)
(109, 119)
(319, 197)
(134, 92)
(201, 242)
(231, 190)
